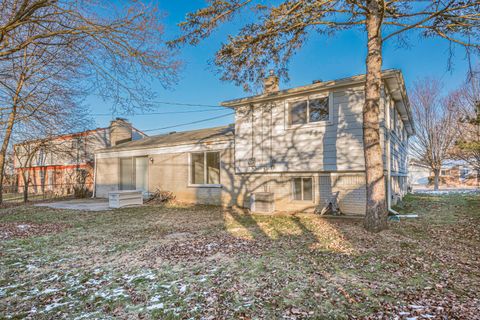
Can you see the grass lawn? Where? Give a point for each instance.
(205, 262)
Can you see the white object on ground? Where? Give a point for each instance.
(122, 198)
(407, 215)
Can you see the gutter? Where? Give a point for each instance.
(389, 162)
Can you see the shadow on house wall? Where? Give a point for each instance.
(281, 152)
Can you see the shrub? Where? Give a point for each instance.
(161, 196)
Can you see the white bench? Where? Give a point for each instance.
(122, 198)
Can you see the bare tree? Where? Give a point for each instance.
(54, 50)
(435, 126)
(279, 30)
(40, 93)
(467, 147)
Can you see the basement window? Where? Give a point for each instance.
(310, 110)
(205, 168)
(303, 189)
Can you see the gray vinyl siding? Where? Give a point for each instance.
(267, 136)
(398, 138)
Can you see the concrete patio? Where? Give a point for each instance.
(78, 204)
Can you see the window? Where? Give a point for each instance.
(310, 110)
(298, 112)
(205, 168)
(303, 189)
(318, 110)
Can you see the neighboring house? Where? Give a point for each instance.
(60, 164)
(454, 174)
(418, 175)
(289, 149)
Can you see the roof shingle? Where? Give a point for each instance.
(176, 138)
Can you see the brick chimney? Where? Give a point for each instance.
(120, 131)
(270, 84)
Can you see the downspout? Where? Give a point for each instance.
(94, 175)
(389, 165)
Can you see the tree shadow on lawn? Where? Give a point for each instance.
(429, 262)
(296, 265)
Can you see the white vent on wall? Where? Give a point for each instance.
(262, 202)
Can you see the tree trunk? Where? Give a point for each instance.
(3, 150)
(376, 210)
(26, 177)
(436, 179)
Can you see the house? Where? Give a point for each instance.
(289, 149)
(64, 162)
(419, 175)
(453, 174)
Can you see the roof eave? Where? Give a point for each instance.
(401, 98)
(355, 80)
(159, 145)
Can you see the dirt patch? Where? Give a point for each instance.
(206, 246)
(14, 230)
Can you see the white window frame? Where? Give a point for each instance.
(289, 103)
(204, 185)
(293, 188)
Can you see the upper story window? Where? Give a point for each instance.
(205, 168)
(309, 110)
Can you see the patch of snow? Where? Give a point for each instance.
(415, 307)
(155, 299)
(88, 315)
(115, 293)
(34, 291)
(54, 305)
(31, 267)
(155, 306)
(52, 278)
(49, 290)
(446, 192)
(146, 275)
(23, 226)
(94, 282)
(183, 288)
(12, 286)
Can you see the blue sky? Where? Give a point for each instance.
(321, 58)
